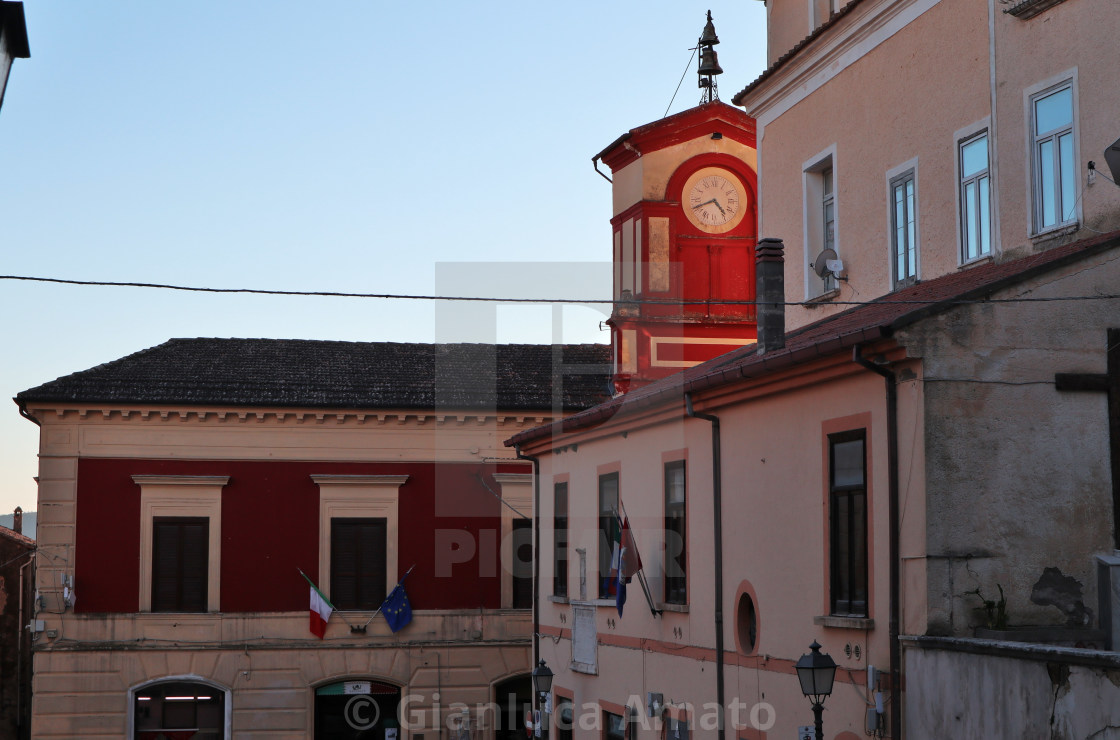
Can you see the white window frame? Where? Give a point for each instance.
(813, 225)
(964, 138)
(816, 22)
(896, 175)
(358, 497)
(1034, 195)
(186, 496)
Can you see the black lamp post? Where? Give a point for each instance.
(542, 683)
(816, 672)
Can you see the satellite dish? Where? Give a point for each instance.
(828, 262)
(1112, 159)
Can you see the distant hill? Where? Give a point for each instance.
(28, 523)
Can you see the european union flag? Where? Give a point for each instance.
(397, 610)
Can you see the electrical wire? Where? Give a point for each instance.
(686, 67)
(569, 301)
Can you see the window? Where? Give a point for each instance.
(179, 709)
(564, 719)
(560, 540)
(180, 548)
(975, 205)
(828, 223)
(359, 505)
(848, 524)
(820, 219)
(676, 560)
(904, 244)
(614, 726)
(188, 512)
(522, 564)
(820, 11)
(608, 523)
(1055, 182)
(358, 563)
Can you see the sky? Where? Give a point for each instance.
(349, 146)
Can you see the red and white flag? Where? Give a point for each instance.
(321, 609)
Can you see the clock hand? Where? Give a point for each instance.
(701, 205)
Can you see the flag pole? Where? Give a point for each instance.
(334, 611)
(374, 615)
(641, 573)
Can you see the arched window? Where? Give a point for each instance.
(178, 709)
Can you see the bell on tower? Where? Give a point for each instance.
(709, 62)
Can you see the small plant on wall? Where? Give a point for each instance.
(995, 612)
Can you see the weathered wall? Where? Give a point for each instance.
(979, 689)
(1018, 477)
(15, 648)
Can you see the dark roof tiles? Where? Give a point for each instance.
(330, 374)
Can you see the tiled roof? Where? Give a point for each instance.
(840, 332)
(326, 374)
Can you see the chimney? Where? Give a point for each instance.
(770, 295)
(17, 520)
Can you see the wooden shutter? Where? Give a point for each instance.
(180, 563)
(358, 563)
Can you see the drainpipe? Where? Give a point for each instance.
(892, 534)
(536, 560)
(717, 517)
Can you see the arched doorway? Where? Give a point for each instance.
(357, 709)
(180, 707)
(513, 698)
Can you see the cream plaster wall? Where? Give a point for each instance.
(81, 687)
(1067, 39)
(890, 104)
(787, 23)
(774, 529)
(647, 177)
(84, 694)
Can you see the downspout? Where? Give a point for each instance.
(536, 560)
(892, 534)
(717, 517)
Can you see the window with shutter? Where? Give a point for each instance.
(522, 564)
(180, 563)
(358, 563)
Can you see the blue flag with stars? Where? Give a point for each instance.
(396, 609)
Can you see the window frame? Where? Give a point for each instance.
(819, 194)
(181, 496)
(145, 686)
(183, 603)
(675, 587)
(910, 251)
(605, 531)
(963, 181)
(517, 494)
(853, 565)
(1032, 96)
(358, 497)
(560, 540)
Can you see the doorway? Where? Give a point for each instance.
(357, 709)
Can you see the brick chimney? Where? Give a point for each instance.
(770, 295)
(17, 520)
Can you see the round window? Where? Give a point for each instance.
(746, 623)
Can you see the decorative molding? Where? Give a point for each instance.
(180, 480)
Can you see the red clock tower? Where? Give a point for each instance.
(684, 228)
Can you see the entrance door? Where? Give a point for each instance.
(357, 710)
(513, 697)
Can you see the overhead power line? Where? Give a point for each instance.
(494, 299)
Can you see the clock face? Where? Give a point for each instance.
(713, 200)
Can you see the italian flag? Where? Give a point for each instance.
(321, 608)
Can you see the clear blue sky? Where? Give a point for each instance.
(343, 146)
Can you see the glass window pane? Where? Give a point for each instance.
(1048, 206)
(1065, 164)
(826, 180)
(1053, 111)
(847, 463)
(970, 226)
(974, 156)
(985, 218)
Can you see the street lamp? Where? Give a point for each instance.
(816, 672)
(542, 680)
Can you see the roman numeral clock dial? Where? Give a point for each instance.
(712, 200)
